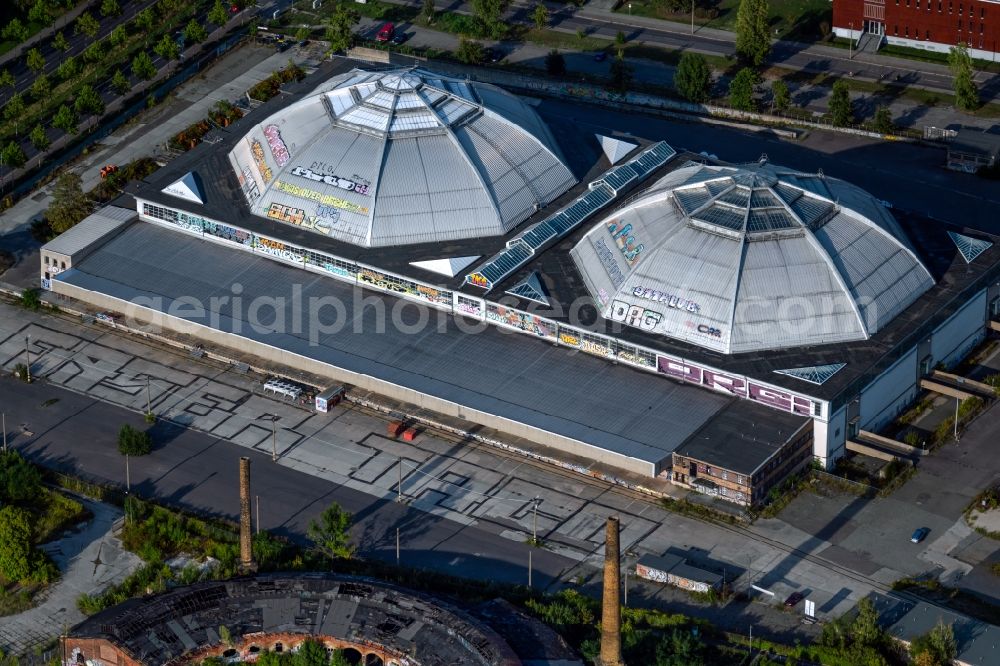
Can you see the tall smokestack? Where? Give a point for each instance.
(246, 551)
(611, 613)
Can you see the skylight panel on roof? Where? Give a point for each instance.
(814, 374)
(402, 122)
(366, 117)
(969, 247)
(738, 196)
(723, 216)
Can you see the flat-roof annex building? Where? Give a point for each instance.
(786, 305)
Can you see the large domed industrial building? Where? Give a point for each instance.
(750, 258)
(400, 157)
(756, 317)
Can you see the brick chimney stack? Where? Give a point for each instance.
(611, 613)
(246, 551)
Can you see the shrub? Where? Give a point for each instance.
(132, 442)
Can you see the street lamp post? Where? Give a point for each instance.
(957, 401)
(148, 410)
(5, 432)
(274, 438)
(27, 357)
(534, 523)
(692, 17)
(850, 41)
(630, 9)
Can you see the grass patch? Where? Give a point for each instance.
(932, 56)
(700, 511)
(564, 40)
(15, 599)
(55, 512)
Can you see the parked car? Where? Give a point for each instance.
(400, 37)
(491, 54)
(793, 598)
(108, 170)
(385, 33)
(920, 534)
(601, 56)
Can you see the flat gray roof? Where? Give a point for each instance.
(90, 230)
(575, 395)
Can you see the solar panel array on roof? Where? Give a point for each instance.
(522, 247)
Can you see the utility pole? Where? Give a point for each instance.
(148, 410)
(274, 438)
(625, 596)
(751, 641)
(399, 482)
(397, 546)
(257, 499)
(529, 568)
(27, 357)
(850, 42)
(534, 524)
(957, 401)
(128, 490)
(5, 432)
(692, 17)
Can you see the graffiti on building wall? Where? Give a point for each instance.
(257, 151)
(277, 249)
(277, 211)
(319, 197)
(400, 285)
(277, 145)
(520, 320)
(346, 184)
(625, 240)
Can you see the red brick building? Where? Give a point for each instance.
(933, 25)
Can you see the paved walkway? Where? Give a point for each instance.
(90, 559)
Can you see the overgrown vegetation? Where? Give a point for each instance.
(271, 86)
(133, 442)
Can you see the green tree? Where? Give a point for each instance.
(14, 108)
(35, 61)
(120, 82)
(13, 155)
(330, 532)
(167, 48)
(780, 97)
(937, 647)
(966, 93)
(68, 68)
(489, 14)
(88, 101)
(620, 39)
(841, 107)
(470, 52)
(741, 90)
(753, 41)
(540, 16)
(555, 63)
(69, 204)
(338, 658)
(866, 630)
(883, 120)
(194, 32)
(20, 481)
(87, 25)
(693, 78)
(302, 33)
(7, 79)
(60, 42)
(311, 653)
(39, 13)
(132, 442)
(143, 67)
(145, 20)
(110, 8)
(621, 73)
(217, 14)
(39, 139)
(118, 37)
(274, 659)
(94, 52)
(225, 636)
(15, 31)
(15, 544)
(41, 87)
(680, 648)
(339, 26)
(428, 11)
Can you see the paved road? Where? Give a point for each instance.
(596, 20)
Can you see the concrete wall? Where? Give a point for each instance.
(830, 438)
(957, 336)
(888, 395)
(142, 315)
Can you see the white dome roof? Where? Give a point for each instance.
(407, 156)
(751, 258)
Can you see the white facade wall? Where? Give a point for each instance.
(887, 396)
(830, 437)
(957, 336)
(922, 44)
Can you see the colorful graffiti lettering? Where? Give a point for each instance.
(670, 300)
(609, 263)
(258, 157)
(319, 197)
(625, 241)
(277, 145)
(329, 179)
(520, 320)
(635, 315)
(285, 213)
(478, 280)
